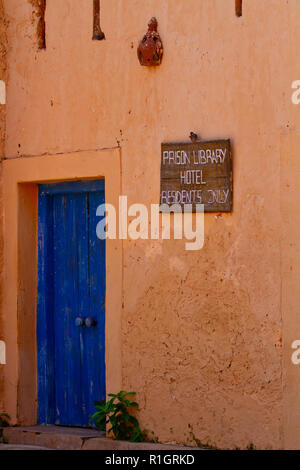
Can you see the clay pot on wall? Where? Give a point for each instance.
(150, 50)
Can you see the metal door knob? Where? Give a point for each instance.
(90, 322)
(79, 322)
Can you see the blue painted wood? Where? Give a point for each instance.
(79, 187)
(95, 356)
(71, 284)
(45, 325)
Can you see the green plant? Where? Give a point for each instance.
(4, 418)
(124, 426)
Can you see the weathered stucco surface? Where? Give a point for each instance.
(201, 332)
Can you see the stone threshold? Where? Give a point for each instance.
(64, 438)
(20, 447)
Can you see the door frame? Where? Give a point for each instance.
(21, 177)
(45, 334)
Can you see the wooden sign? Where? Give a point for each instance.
(197, 173)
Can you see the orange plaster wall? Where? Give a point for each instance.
(290, 273)
(201, 335)
(3, 76)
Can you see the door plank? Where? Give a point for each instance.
(73, 267)
(45, 324)
(95, 336)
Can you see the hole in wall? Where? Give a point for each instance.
(238, 7)
(39, 10)
(98, 34)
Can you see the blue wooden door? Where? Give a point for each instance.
(70, 304)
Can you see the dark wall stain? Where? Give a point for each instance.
(39, 9)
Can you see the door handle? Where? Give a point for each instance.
(79, 322)
(90, 322)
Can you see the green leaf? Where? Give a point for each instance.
(115, 412)
(100, 403)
